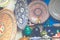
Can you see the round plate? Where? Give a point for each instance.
(4, 3)
(21, 13)
(38, 12)
(54, 9)
(9, 22)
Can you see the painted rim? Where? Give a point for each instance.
(4, 3)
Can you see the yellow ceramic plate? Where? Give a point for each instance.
(4, 3)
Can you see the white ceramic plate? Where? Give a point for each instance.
(54, 9)
(38, 12)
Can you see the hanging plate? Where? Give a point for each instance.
(38, 12)
(7, 25)
(54, 9)
(4, 3)
(21, 13)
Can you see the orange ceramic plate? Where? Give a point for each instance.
(9, 23)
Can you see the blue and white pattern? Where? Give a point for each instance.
(21, 13)
(35, 38)
(51, 31)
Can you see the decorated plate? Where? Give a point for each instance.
(7, 25)
(54, 9)
(21, 13)
(38, 12)
(4, 3)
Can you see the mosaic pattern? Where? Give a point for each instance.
(21, 13)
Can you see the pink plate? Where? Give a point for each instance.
(38, 12)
